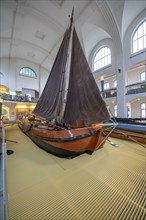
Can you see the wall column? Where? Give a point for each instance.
(121, 97)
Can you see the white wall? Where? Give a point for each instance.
(4, 64)
(133, 76)
(15, 81)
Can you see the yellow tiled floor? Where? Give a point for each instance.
(108, 184)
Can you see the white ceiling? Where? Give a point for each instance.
(33, 29)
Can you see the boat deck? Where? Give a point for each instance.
(109, 184)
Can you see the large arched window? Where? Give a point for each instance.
(26, 71)
(139, 38)
(102, 58)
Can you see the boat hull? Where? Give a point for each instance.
(66, 143)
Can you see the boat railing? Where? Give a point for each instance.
(3, 179)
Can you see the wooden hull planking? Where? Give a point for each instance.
(67, 143)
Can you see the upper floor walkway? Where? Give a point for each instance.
(131, 89)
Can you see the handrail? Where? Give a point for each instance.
(136, 84)
(16, 98)
(4, 179)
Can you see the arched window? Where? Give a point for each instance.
(102, 58)
(143, 110)
(26, 71)
(139, 38)
(143, 76)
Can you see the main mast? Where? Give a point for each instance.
(64, 86)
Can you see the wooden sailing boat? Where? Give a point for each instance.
(76, 126)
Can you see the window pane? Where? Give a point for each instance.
(96, 58)
(140, 32)
(140, 43)
(138, 40)
(143, 76)
(135, 36)
(144, 42)
(134, 46)
(106, 85)
(143, 106)
(144, 28)
(106, 61)
(99, 63)
(94, 66)
(25, 71)
(115, 110)
(143, 113)
(102, 63)
(106, 51)
(101, 58)
(109, 59)
(99, 54)
(115, 83)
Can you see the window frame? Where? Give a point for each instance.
(136, 40)
(102, 58)
(34, 75)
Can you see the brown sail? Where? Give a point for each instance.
(84, 101)
(51, 100)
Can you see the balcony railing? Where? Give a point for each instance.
(110, 93)
(136, 88)
(130, 89)
(16, 98)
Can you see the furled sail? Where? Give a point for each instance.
(84, 101)
(50, 103)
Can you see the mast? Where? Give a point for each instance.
(67, 70)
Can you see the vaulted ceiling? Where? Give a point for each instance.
(33, 29)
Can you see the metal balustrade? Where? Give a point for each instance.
(16, 98)
(130, 89)
(136, 88)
